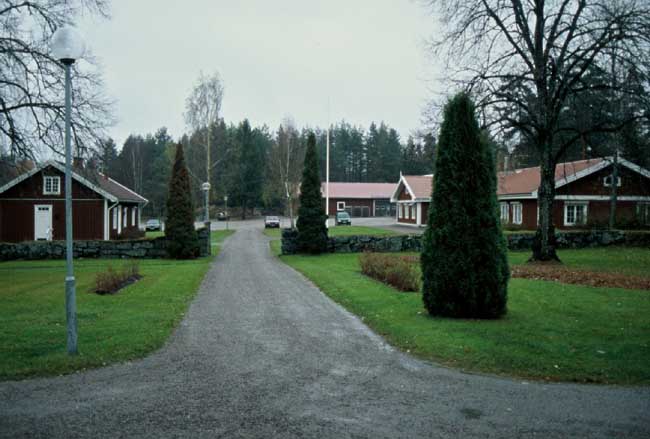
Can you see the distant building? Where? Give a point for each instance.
(360, 199)
(413, 196)
(32, 205)
(582, 195)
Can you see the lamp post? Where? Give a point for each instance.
(225, 199)
(67, 47)
(206, 190)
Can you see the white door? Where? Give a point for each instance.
(43, 222)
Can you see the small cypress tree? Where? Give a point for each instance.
(464, 265)
(182, 240)
(312, 232)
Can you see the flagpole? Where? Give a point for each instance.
(327, 178)
(327, 168)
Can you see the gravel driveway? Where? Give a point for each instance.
(263, 353)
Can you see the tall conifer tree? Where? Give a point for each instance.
(464, 265)
(182, 241)
(312, 232)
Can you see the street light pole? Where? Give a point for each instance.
(206, 190)
(225, 199)
(67, 46)
(70, 287)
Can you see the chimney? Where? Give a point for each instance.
(505, 163)
(78, 162)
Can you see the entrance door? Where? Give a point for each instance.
(43, 222)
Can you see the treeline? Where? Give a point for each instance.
(255, 167)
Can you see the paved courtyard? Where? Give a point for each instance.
(263, 353)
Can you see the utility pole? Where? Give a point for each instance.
(616, 137)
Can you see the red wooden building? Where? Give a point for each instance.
(360, 199)
(32, 205)
(582, 198)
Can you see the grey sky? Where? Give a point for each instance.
(277, 58)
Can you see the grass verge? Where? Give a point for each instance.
(552, 331)
(111, 328)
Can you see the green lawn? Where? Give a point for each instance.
(552, 331)
(112, 328)
(343, 231)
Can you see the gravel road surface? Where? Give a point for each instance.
(263, 353)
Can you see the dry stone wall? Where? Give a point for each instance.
(516, 241)
(135, 248)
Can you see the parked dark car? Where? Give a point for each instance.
(222, 216)
(153, 224)
(343, 218)
(271, 222)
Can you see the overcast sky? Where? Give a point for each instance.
(277, 58)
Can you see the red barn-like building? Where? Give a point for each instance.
(360, 199)
(32, 205)
(582, 198)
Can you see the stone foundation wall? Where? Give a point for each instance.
(516, 241)
(135, 248)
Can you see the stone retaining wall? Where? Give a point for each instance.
(135, 248)
(516, 241)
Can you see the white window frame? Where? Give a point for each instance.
(115, 221)
(340, 206)
(504, 212)
(568, 204)
(52, 179)
(607, 183)
(517, 213)
(400, 211)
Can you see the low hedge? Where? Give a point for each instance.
(400, 272)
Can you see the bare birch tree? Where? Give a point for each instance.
(202, 109)
(32, 83)
(524, 61)
(285, 164)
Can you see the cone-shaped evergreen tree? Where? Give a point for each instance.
(182, 240)
(464, 266)
(312, 232)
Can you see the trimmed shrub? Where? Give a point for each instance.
(400, 272)
(312, 231)
(464, 262)
(111, 281)
(182, 240)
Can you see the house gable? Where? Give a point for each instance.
(32, 187)
(75, 177)
(632, 183)
(402, 191)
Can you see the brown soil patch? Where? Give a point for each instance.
(559, 273)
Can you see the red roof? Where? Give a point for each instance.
(360, 190)
(526, 180)
(523, 181)
(420, 185)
